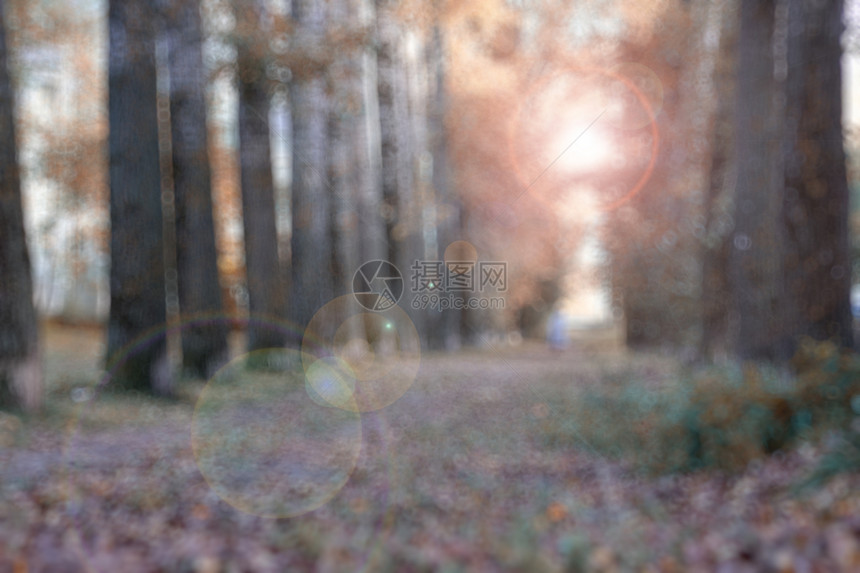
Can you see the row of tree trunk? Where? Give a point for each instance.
(759, 258)
(786, 262)
(361, 118)
(364, 110)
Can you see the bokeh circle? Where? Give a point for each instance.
(380, 351)
(613, 94)
(148, 433)
(461, 251)
(264, 445)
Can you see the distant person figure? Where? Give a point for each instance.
(556, 331)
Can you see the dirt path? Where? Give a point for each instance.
(457, 471)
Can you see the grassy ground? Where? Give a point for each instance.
(479, 466)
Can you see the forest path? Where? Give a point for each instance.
(474, 464)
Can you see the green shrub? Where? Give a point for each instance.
(843, 457)
(719, 417)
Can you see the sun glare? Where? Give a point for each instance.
(580, 147)
(563, 129)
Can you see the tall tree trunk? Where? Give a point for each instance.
(20, 366)
(344, 131)
(719, 194)
(312, 272)
(204, 345)
(755, 269)
(418, 204)
(373, 239)
(655, 267)
(137, 281)
(816, 209)
(265, 287)
(443, 329)
(401, 202)
(356, 225)
(390, 143)
(372, 236)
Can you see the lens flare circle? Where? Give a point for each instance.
(330, 382)
(264, 445)
(460, 252)
(380, 351)
(90, 459)
(638, 80)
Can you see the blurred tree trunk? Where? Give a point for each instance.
(353, 170)
(443, 329)
(416, 196)
(345, 128)
(20, 366)
(788, 268)
(204, 346)
(372, 236)
(655, 265)
(265, 288)
(754, 258)
(137, 282)
(391, 113)
(401, 204)
(816, 209)
(312, 253)
(719, 193)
